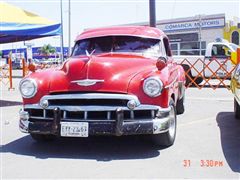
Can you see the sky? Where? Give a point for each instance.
(99, 13)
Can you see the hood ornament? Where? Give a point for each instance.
(87, 82)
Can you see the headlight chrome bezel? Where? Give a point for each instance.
(157, 80)
(34, 84)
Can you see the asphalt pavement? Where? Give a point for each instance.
(207, 146)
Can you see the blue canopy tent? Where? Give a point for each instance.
(17, 24)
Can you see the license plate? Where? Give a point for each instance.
(74, 129)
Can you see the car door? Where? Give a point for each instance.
(172, 66)
(235, 82)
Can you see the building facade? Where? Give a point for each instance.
(232, 32)
(190, 35)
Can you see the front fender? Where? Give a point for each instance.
(136, 88)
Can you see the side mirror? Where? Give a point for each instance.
(161, 63)
(32, 67)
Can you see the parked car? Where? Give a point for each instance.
(50, 61)
(216, 54)
(235, 84)
(119, 81)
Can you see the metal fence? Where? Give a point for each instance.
(6, 74)
(219, 73)
(199, 80)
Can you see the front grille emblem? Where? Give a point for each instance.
(87, 82)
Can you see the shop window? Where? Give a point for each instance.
(235, 37)
(174, 53)
(174, 46)
(203, 44)
(190, 52)
(189, 45)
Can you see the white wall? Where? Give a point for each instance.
(210, 35)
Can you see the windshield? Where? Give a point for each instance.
(122, 44)
(234, 46)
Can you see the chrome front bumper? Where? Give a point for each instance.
(117, 120)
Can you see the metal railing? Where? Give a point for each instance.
(6, 77)
(213, 67)
(6, 74)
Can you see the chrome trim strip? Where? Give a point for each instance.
(42, 118)
(108, 115)
(152, 113)
(171, 84)
(85, 115)
(64, 114)
(98, 108)
(132, 114)
(91, 120)
(44, 113)
(92, 96)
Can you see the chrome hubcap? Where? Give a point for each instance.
(172, 125)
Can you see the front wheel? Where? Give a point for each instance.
(198, 80)
(180, 107)
(167, 138)
(236, 109)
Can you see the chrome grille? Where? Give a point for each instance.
(91, 115)
(88, 102)
(91, 107)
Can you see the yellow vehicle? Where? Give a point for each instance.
(235, 82)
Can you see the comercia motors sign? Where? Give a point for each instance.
(205, 23)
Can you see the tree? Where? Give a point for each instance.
(1, 53)
(47, 50)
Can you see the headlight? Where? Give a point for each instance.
(28, 88)
(152, 86)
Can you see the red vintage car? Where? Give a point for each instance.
(118, 81)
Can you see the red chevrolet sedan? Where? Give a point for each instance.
(118, 81)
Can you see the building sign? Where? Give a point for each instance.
(205, 23)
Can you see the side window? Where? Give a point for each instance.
(80, 48)
(214, 50)
(227, 51)
(220, 50)
(167, 47)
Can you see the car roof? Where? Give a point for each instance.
(139, 31)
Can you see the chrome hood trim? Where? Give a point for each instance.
(87, 82)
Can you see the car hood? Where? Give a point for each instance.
(103, 73)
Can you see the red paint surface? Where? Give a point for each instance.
(122, 73)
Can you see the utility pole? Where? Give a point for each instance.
(69, 28)
(61, 37)
(152, 13)
(200, 34)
